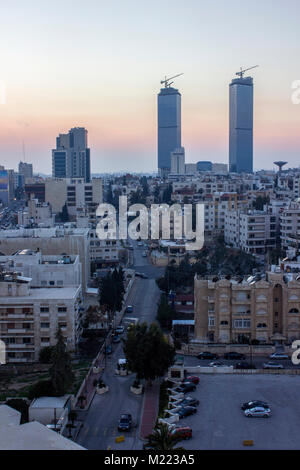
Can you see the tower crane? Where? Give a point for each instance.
(241, 73)
(167, 81)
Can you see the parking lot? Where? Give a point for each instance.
(220, 423)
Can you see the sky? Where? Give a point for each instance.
(98, 64)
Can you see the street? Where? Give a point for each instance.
(101, 420)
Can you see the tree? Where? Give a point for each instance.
(111, 291)
(46, 354)
(165, 313)
(61, 372)
(161, 439)
(147, 351)
(42, 388)
(65, 213)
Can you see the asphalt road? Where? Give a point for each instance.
(100, 425)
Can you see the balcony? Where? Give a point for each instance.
(20, 330)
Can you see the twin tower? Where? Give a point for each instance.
(240, 126)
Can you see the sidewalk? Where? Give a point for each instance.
(150, 409)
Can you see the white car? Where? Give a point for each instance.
(257, 412)
(119, 330)
(278, 356)
(272, 365)
(216, 364)
(140, 243)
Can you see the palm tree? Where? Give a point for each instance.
(161, 439)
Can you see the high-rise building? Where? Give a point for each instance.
(71, 158)
(241, 125)
(169, 127)
(26, 170)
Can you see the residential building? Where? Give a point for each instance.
(30, 317)
(264, 308)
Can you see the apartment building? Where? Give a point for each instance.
(266, 309)
(63, 240)
(290, 226)
(252, 231)
(30, 317)
(44, 270)
(37, 213)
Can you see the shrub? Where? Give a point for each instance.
(42, 388)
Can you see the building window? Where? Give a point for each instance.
(45, 325)
(62, 309)
(44, 309)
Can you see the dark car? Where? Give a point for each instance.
(244, 365)
(108, 349)
(186, 411)
(189, 401)
(252, 404)
(192, 378)
(129, 309)
(186, 387)
(234, 355)
(182, 433)
(116, 339)
(125, 422)
(207, 355)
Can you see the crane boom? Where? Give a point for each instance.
(241, 73)
(167, 81)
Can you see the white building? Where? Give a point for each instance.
(178, 162)
(30, 317)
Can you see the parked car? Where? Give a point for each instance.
(207, 355)
(182, 433)
(257, 412)
(185, 411)
(142, 275)
(108, 350)
(252, 404)
(216, 363)
(144, 254)
(129, 309)
(186, 387)
(272, 365)
(140, 243)
(192, 378)
(188, 401)
(125, 422)
(119, 330)
(116, 339)
(244, 365)
(278, 355)
(234, 355)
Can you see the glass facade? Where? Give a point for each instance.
(241, 125)
(169, 126)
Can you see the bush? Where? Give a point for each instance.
(42, 388)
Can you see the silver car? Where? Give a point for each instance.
(257, 412)
(272, 365)
(278, 356)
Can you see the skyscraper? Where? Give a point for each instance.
(169, 127)
(71, 158)
(241, 125)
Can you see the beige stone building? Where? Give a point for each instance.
(232, 310)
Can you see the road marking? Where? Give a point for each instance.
(96, 431)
